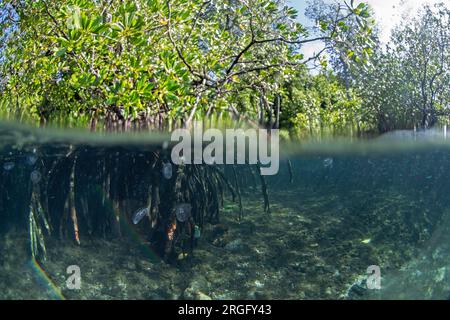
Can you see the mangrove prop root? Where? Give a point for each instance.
(291, 171)
(90, 191)
(264, 190)
(73, 211)
(238, 191)
(222, 177)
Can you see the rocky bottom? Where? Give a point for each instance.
(309, 247)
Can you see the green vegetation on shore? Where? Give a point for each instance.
(145, 63)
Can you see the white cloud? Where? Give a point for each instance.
(390, 13)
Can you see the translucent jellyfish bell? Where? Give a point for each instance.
(35, 176)
(139, 215)
(31, 159)
(328, 163)
(197, 232)
(167, 170)
(183, 211)
(8, 166)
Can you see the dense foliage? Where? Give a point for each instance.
(149, 61)
(407, 84)
(176, 59)
(321, 105)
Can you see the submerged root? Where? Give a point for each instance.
(291, 171)
(264, 190)
(238, 191)
(92, 192)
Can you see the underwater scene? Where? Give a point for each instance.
(111, 217)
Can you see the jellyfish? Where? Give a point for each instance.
(328, 163)
(167, 170)
(31, 159)
(35, 176)
(183, 211)
(140, 214)
(197, 232)
(8, 166)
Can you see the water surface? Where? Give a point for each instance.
(107, 204)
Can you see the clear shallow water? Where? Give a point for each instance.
(340, 206)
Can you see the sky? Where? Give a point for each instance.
(388, 14)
